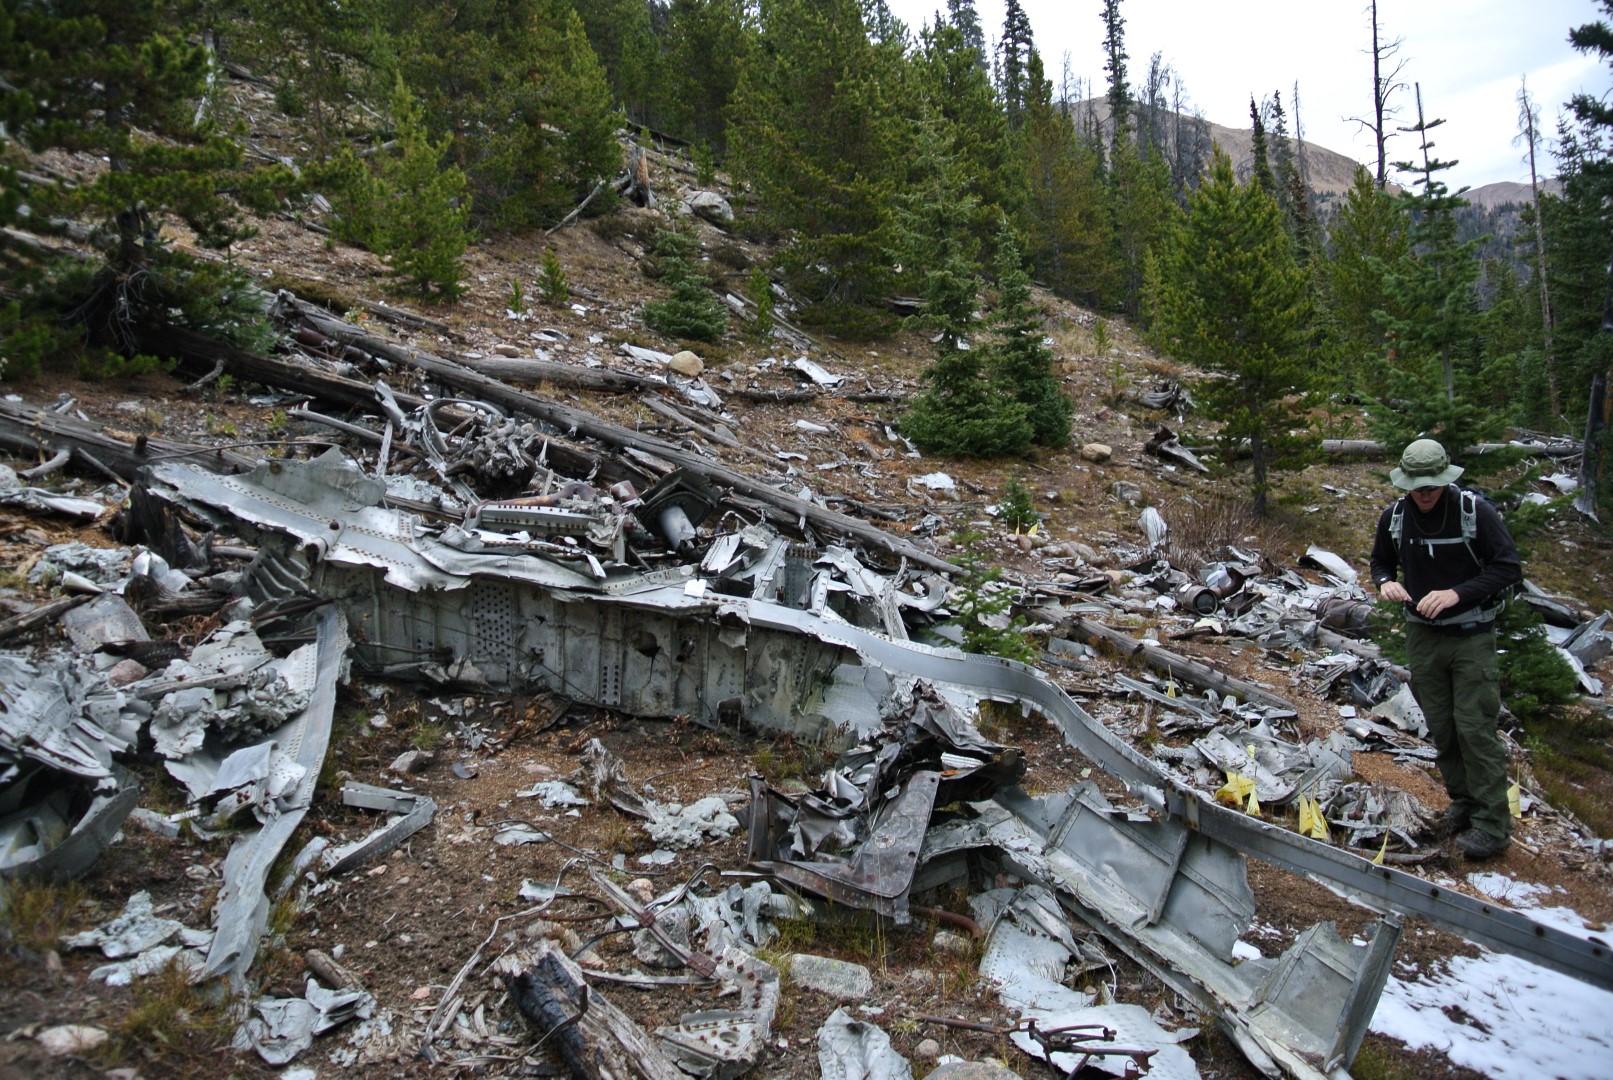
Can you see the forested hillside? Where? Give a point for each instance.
(889, 160)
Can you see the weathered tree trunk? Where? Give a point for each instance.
(596, 1040)
(1180, 667)
(29, 430)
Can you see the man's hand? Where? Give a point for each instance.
(1435, 602)
(1393, 590)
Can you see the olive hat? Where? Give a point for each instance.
(1424, 464)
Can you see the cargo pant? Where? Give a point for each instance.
(1454, 679)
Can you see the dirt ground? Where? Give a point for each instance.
(408, 924)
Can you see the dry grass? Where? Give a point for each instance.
(1200, 529)
(35, 914)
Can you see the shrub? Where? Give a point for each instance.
(691, 311)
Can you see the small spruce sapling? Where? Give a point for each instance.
(983, 610)
(761, 292)
(552, 281)
(1015, 506)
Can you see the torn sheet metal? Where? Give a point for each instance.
(645, 643)
(856, 840)
(412, 812)
(283, 1028)
(1164, 444)
(851, 1049)
(62, 796)
(41, 501)
(1028, 947)
(1177, 907)
(242, 911)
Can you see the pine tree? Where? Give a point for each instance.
(820, 135)
(958, 92)
(1021, 361)
(962, 411)
(1065, 218)
(707, 43)
(517, 87)
(1369, 242)
(421, 232)
(691, 312)
(117, 81)
(1142, 210)
(1433, 325)
(962, 14)
(1114, 48)
(1283, 170)
(1260, 170)
(1228, 296)
(624, 41)
(1014, 51)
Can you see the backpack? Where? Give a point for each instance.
(1469, 518)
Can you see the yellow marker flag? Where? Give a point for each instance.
(1170, 686)
(1515, 801)
(1378, 859)
(1236, 791)
(1254, 802)
(1311, 821)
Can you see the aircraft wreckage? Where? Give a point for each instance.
(539, 593)
(739, 624)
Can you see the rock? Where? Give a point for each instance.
(513, 351)
(411, 761)
(928, 1049)
(74, 1039)
(686, 363)
(125, 672)
(711, 206)
(8, 478)
(642, 889)
(972, 1070)
(951, 943)
(1083, 552)
(1126, 491)
(1097, 452)
(1025, 542)
(838, 979)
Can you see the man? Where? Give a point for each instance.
(1446, 557)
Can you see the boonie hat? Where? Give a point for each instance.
(1424, 464)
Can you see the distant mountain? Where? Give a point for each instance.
(1329, 173)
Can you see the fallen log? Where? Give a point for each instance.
(1179, 667)
(39, 616)
(566, 418)
(596, 1040)
(30, 430)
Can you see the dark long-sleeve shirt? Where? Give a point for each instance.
(1423, 568)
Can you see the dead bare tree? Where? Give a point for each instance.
(1385, 55)
(1529, 122)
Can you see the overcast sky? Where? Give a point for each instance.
(1468, 55)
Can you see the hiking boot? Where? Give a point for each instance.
(1476, 844)
(1452, 820)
